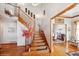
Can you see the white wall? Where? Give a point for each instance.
(51, 10)
(20, 38)
(37, 10)
(1, 31)
(73, 32)
(69, 28)
(7, 24)
(8, 30)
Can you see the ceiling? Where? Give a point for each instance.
(73, 12)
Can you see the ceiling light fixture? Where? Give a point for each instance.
(35, 4)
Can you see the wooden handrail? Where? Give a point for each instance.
(20, 10)
(23, 22)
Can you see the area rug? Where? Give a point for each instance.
(76, 53)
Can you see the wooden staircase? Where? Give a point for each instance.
(38, 47)
(39, 44)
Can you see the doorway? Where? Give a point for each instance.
(77, 34)
(58, 38)
(59, 31)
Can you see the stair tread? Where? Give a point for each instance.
(37, 45)
(38, 48)
(37, 38)
(36, 33)
(38, 41)
(44, 50)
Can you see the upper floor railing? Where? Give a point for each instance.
(23, 17)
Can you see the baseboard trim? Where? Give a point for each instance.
(8, 42)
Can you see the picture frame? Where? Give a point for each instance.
(31, 14)
(26, 10)
(34, 16)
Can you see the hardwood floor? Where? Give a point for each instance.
(59, 50)
(37, 49)
(13, 50)
(73, 48)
